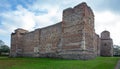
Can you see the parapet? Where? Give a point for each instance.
(105, 35)
(68, 12)
(20, 31)
(81, 5)
(81, 9)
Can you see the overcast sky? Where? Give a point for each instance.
(32, 14)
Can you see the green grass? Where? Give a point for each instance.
(49, 63)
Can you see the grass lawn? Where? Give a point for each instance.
(49, 63)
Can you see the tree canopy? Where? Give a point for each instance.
(1, 43)
(116, 50)
(3, 48)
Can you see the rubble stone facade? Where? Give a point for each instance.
(106, 44)
(72, 38)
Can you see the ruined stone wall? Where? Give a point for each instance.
(39, 43)
(97, 45)
(50, 38)
(73, 38)
(13, 45)
(30, 42)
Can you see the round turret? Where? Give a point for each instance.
(105, 35)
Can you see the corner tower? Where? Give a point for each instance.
(106, 44)
(17, 42)
(78, 32)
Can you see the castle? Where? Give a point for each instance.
(72, 38)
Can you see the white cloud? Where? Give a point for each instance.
(52, 17)
(2, 32)
(27, 18)
(20, 18)
(50, 14)
(110, 21)
(23, 18)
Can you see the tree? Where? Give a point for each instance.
(3, 48)
(116, 50)
(1, 43)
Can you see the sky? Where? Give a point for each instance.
(33, 14)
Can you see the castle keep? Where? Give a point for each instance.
(72, 38)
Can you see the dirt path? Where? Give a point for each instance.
(118, 65)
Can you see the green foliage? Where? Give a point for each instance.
(3, 48)
(49, 63)
(116, 50)
(1, 43)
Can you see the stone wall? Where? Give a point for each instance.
(97, 45)
(50, 39)
(72, 38)
(30, 42)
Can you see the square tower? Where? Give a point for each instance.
(78, 32)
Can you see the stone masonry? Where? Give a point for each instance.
(106, 44)
(72, 38)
